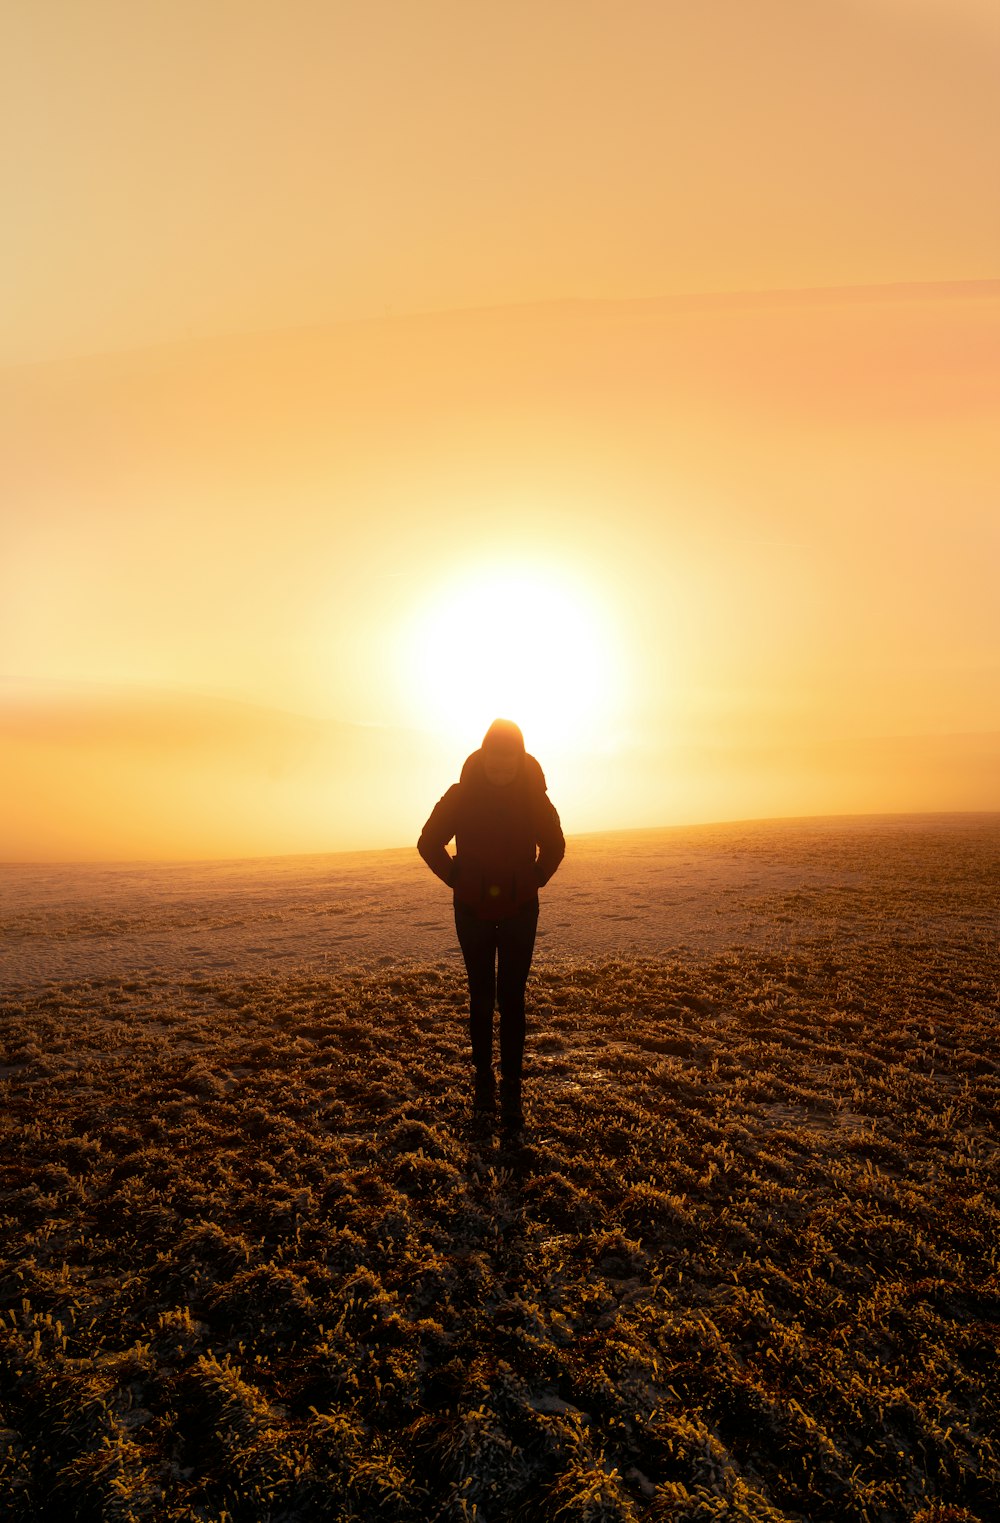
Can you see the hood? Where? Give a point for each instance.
(472, 771)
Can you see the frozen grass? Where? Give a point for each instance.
(689, 893)
(256, 1264)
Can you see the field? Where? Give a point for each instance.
(257, 1263)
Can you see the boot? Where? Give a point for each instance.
(485, 1097)
(511, 1113)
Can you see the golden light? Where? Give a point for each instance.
(532, 646)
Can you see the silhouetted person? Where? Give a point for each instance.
(508, 843)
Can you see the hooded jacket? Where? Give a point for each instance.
(508, 839)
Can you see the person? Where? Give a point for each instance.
(508, 843)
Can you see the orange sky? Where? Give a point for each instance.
(182, 168)
(420, 280)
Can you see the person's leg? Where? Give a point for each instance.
(478, 941)
(515, 946)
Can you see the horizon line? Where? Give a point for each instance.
(576, 835)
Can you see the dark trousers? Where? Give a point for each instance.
(497, 959)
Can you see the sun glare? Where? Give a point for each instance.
(533, 647)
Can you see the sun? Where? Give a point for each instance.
(532, 646)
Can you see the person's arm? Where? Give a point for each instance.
(437, 833)
(551, 841)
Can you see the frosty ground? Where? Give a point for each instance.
(258, 1264)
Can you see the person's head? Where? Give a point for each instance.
(503, 752)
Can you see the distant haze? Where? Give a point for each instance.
(370, 371)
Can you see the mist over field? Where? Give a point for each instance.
(112, 777)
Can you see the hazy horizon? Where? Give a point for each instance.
(219, 777)
(718, 832)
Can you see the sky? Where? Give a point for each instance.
(192, 168)
(370, 370)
